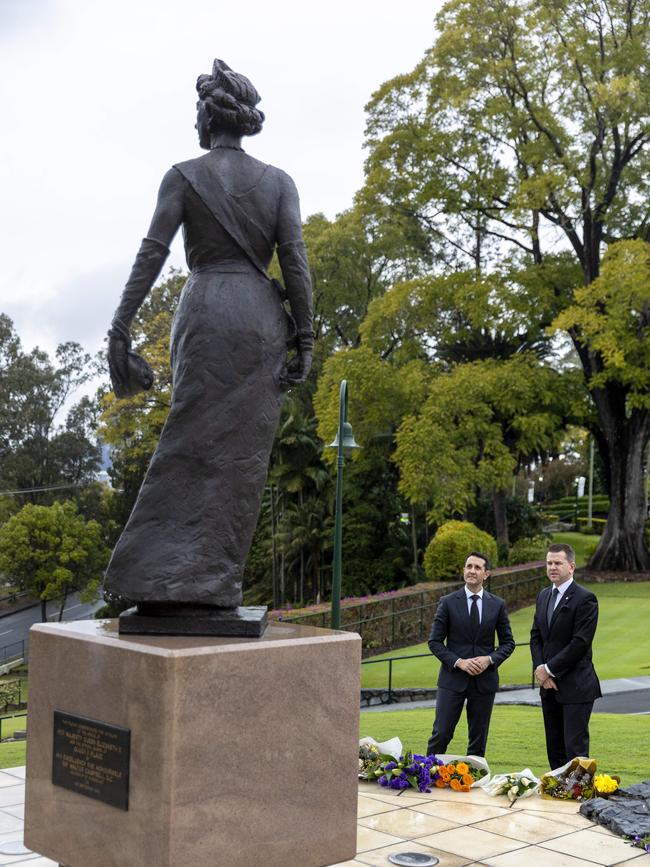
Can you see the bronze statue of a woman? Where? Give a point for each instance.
(181, 556)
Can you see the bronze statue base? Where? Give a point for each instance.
(177, 619)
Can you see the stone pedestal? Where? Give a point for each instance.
(242, 752)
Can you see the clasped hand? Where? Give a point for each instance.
(475, 665)
(544, 679)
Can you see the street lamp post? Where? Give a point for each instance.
(344, 444)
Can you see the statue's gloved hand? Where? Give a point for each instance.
(298, 367)
(119, 344)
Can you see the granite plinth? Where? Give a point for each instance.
(243, 751)
(243, 622)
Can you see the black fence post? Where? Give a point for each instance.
(390, 681)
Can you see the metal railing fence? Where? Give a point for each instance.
(392, 659)
(14, 651)
(3, 719)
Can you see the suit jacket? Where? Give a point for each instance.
(452, 625)
(565, 646)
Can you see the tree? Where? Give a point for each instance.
(37, 452)
(51, 551)
(534, 138)
(480, 422)
(379, 552)
(612, 316)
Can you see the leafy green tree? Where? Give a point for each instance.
(52, 551)
(36, 451)
(612, 317)
(302, 491)
(526, 142)
(479, 423)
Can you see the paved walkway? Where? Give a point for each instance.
(458, 828)
(620, 695)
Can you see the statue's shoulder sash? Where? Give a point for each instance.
(226, 210)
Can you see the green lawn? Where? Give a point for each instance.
(620, 646)
(619, 743)
(12, 755)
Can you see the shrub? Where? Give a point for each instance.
(597, 528)
(446, 553)
(527, 550)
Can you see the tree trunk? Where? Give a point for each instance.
(43, 611)
(622, 443)
(62, 606)
(501, 521)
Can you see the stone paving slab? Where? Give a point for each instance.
(460, 829)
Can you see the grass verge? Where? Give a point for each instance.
(12, 755)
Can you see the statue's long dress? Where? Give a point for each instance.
(191, 528)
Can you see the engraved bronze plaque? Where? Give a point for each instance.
(92, 758)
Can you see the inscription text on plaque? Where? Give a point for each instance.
(92, 758)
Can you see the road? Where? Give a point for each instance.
(14, 628)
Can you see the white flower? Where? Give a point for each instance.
(514, 790)
(525, 781)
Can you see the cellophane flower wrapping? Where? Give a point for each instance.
(521, 784)
(574, 781)
(373, 754)
(477, 762)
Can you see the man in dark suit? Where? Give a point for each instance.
(560, 644)
(462, 637)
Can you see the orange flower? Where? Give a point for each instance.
(464, 788)
(451, 769)
(462, 768)
(444, 773)
(440, 783)
(468, 779)
(455, 784)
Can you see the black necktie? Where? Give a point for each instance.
(473, 614)
(551, 606)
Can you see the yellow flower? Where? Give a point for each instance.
(605, 784)
(462, 768)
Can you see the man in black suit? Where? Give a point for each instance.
(560, 644)
(462, 637)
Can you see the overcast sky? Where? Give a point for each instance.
(97, 100)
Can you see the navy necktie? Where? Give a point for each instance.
(473, 614)
(551, 606)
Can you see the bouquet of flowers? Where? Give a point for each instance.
(372, 755)
(605, 784)
(459, 774)
(478, 769)
(514, 786)
(419, 772)
(572, 782)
